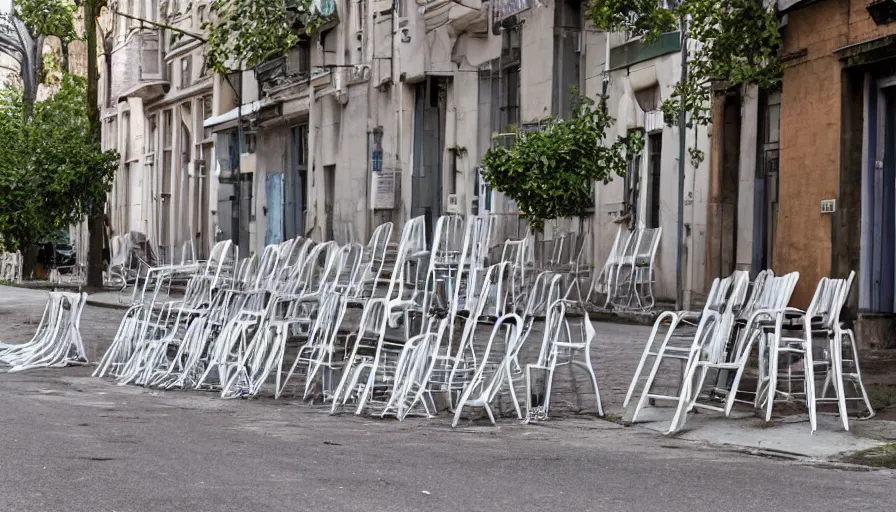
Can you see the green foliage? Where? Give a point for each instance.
(51, 71)
(51, 170)
(736, 42)
(249, 32)
(550, 173)
(48, 18)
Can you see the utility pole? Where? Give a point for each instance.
(682, 158)
(95, 220)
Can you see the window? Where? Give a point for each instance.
(567, 43)
(153, 132)
(186, 71)
(201, 16)
(298, 60)
(632, 188)
(125, 149)
(300, 136)
(654, 166)
(168, 129)
(149, 57)
(249, 140)
(505, 82)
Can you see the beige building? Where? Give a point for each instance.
(155, 95)
(383, 115)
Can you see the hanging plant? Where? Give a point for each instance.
(550, 173)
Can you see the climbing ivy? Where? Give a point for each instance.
(550, 173)
(734, 42)
(249, 32)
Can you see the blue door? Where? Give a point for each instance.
(274, 192)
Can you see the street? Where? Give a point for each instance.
(74, 443)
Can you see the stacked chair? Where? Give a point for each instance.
(748, 328)
(384, 329)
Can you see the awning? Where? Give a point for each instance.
(232, 116)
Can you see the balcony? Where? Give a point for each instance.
(137, 68)
(460, 15)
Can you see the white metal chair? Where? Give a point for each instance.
(560, 345)
(493, 373)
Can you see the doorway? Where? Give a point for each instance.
(296, 184)
(877, 271)
(430, 102)
(765, 212)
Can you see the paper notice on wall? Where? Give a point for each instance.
(383, 190)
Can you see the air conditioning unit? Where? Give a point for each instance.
(454, 204)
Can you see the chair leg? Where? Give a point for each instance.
(839, 385)
(491, 417)
(590, 367)
(859, 384)
(772, 376)
(680, 411)
(809, 383)
(741, 367)
(549, 380)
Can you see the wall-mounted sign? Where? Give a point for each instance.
(503, 9)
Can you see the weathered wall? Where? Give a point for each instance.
(810, 144)
(609, 198)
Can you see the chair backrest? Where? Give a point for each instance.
(647, 244)
(448, 240)
(491, 374)
(829, 299)
(410, 268)
(776, 292)
(843, 298)
(222, 256)
(267, 267)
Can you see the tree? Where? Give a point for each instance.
(249, 32)
(550, 173)
(22, 36)
(95, 222)
(52, 172)
(736, 42)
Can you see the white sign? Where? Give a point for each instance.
(383, 190)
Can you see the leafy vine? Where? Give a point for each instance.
(735, 42)
(250, 32)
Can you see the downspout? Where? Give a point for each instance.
(371, 124)
(312, 149)
(399, 89)
(338, 91)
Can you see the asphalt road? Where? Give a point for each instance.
(69, 442)
(74, 443)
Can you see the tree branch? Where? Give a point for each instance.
(163, 25)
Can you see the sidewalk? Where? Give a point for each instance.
(616, 352)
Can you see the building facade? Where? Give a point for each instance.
(838, 137)
(384, 114)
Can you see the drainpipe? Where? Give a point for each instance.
(368, 62)
(682, 157)
(396, 83)
(312, 142)
(338, 91)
